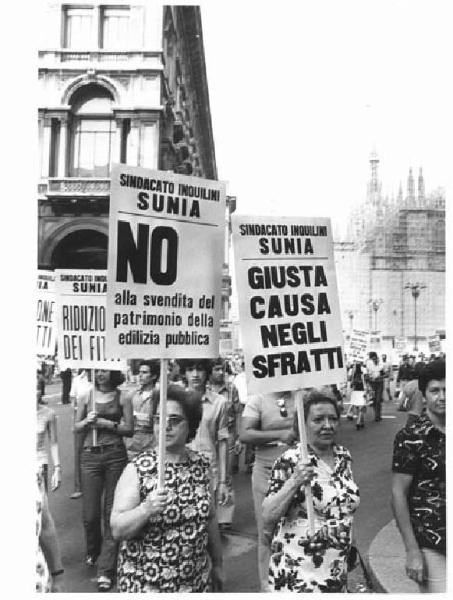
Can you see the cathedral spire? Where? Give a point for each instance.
(374, 185)
(421, 188)
(410, 188)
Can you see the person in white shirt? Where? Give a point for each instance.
(375, 376)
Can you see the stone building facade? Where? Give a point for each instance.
(121, 83)
(392, 245)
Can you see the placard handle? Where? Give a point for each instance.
(162, 422)
(299, 401)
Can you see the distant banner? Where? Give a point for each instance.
(166, 252)
(45, 317)
(81, 302)
(375, 341)
(434, 344)
(359, 345)
(400, 344)
(288, 302)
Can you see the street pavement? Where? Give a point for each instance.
(371, 449)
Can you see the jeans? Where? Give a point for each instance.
(100, 473)
(260, 482)
(377, 387)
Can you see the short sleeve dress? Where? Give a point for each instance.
(170, 554)
(296, 563)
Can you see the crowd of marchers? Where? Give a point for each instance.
(145, 537)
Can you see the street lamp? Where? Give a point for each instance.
(375, 304)
(350, 314)
(415, 289)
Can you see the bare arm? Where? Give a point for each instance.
(276, 505)
(81, 422)
(401, 483)
(129, 515)
(251, 434)
(52, 433)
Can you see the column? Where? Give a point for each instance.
(116, 154)
(63, 150)
(133, 143)
(46, 146)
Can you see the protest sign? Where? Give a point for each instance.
(45, 317)
(434, 344)
(166, 252)
(288, 302)
(375, 342)
(81, 302)
(400, 344)
(359, 345)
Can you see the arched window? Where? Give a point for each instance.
(92, 132)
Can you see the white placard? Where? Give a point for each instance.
(359, 345)
(81, 319)
(288, 302)
(166, 252)
(45, 314)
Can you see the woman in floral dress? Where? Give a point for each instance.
(171, 541)
(300, 562)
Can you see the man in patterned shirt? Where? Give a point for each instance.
(418, 486)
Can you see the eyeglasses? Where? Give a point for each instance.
(282, 406)
(172, 420)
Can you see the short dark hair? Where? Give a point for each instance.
(432, 370)
(116, 378)
(154, 367)
(189, 401)
(204, 364)
(315, 396)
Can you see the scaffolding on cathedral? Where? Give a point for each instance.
(392, 243)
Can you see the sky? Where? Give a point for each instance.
(301, 92)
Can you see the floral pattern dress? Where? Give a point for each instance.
(170, 555)
(299, 563)
(43, 582)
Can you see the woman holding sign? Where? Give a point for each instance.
(104, 421)
(171, 540)
(301, 562)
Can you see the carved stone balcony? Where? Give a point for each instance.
(128, 59)
(77, 187)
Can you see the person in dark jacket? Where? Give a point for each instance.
(66, 378)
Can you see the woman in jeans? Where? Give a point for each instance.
(102, 462)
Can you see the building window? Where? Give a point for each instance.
(115, 27)
(93, 131)
(54, 147)
(78, 27)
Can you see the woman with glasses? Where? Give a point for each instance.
(267, 423)
(170, 536)
(103, 458)
(299, 560)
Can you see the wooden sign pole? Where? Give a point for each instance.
(299, 401)
(162, 421)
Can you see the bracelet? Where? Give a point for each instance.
(58, 572)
